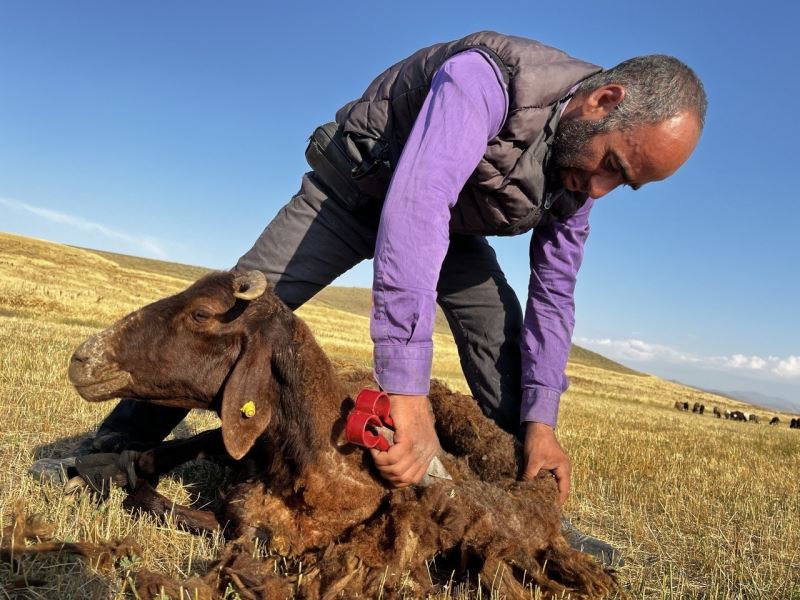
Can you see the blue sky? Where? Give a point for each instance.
(176, 130)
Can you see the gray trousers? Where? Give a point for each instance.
(314, 239)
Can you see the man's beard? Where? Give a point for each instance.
(572, 137)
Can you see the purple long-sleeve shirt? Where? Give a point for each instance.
(465, 108)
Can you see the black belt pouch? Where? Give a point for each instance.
(327, 155)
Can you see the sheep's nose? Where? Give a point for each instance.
(81, 354)
(81, 359)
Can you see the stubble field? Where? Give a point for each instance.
(701, 507)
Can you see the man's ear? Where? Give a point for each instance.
(249, 396)
(603, 100)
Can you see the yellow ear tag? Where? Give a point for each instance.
(249, 409)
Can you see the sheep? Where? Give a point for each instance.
(228, 344)
(698, 408)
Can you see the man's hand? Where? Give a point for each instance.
(542, 451)
(415, 442)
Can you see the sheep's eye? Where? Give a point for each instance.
(201, 316)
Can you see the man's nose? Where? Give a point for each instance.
(600, 185)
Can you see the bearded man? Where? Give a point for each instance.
(486, 135)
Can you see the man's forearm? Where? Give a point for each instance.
(556, 256)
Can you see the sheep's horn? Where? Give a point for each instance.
(249, 285)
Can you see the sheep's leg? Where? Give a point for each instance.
(160, 460)
(102, 471)
(146, 498)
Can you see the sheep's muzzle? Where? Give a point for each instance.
(94, 376)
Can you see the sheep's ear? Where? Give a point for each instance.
(248, 398)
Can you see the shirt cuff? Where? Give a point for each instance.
(540, 404)
(403, 369)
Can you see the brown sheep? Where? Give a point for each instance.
(227, 343)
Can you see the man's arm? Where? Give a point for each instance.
(556, 256)
(464, 109)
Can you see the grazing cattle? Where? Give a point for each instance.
(681, 405)
(774, 421)
(737, 415)
(696, 407)
(227, 343)
(754, 418)
(727, 414)
(794, 424)
(717, 412)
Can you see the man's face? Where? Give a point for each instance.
(589, 160)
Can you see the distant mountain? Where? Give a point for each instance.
(759, 399)
(582, 356)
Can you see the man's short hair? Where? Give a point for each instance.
(657, 88)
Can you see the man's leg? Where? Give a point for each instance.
(133, 425)
(486, 319)
(311, 241)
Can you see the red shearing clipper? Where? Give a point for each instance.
(369, 421)
(364, 422)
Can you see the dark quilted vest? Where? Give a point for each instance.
(507, 193)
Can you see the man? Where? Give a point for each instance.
(490, 134)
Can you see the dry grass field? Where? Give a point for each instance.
(702, 508)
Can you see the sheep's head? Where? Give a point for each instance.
(225, 343)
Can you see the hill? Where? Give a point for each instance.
(348, 299)
(152, 265)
